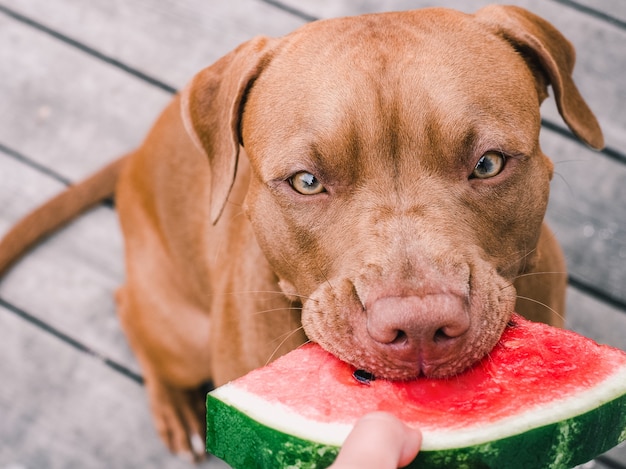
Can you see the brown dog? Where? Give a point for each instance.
(374, 184)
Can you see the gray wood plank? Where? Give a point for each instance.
(588, 213)
(596, 465)
(69, 281)
(64, 409)
(169, 39)
(333, 8)
(72, 113)
(65, 109)
(595, 319)
(612, 8)
(21, 190)
(617, 455)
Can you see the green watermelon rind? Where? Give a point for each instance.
(246, 443)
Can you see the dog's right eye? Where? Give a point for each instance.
(306, 183)
(489, 165)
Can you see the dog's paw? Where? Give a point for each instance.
(179, 419)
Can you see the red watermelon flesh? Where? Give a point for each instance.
(536, 376)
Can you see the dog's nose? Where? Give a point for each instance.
(413, 328)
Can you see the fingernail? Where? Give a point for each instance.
(197, 444)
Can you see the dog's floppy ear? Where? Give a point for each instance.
(555, 55)
(211, 107)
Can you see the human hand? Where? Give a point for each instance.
(379, 441)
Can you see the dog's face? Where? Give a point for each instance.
(397, 182)
(398, 187)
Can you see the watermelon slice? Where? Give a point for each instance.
(543, 398)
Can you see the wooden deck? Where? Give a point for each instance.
(82, 81)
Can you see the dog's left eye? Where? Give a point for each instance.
(489, 165)
(306, 183)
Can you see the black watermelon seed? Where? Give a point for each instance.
(363, 376)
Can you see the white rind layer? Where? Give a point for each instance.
(281, 418)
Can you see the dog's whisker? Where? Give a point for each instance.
(572, 160)
(528, 274)
(287, 261)
(218, 248)
(286, 336)
(271, 292)
(282, 254)
(239, 205)
(566, 182)
(308, 341)
(541, 304)
(273, 310)
(509, 284)
(524, 254)
(528, 253)
(326, 280)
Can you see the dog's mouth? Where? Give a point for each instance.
(438, 336)
(408, 371)
(370, 366)
(370, 362)
(388, 368)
